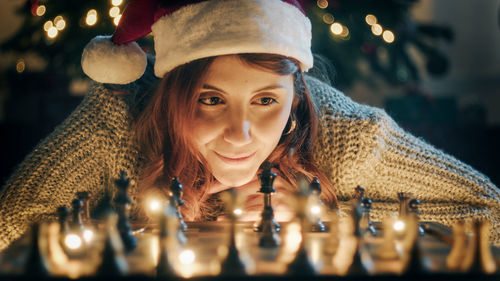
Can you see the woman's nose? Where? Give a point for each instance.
(238, 130)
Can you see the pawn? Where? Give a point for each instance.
(176, 195)
(84, 197)
(76, 223)
(35, 265)
(113, 260)
(457, 253)
(317, 225)
(122, 202)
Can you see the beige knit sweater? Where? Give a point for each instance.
(358, 145)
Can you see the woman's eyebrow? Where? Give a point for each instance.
(210, 87)
(270, 87)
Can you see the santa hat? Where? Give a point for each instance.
(186, 30)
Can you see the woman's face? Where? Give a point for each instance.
(240, 117)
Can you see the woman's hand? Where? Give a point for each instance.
(254, 202)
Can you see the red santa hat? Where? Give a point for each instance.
(186, 30)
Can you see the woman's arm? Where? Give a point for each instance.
(362, 145)
(82, 154)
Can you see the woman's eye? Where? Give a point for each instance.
(211, 100)
(266, 101)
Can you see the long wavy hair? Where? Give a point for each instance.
(162, 133)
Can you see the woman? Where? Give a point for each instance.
(232, 88)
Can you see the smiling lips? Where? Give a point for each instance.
(235, 159)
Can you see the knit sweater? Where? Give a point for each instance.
(357, 145)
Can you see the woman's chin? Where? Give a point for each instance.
(235, 180)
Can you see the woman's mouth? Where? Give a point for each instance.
(235, 159)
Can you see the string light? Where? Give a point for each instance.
(377, 29)
(40, 10)
(114, 12)
(370, 19)
(20, 66)
(322, 4)
(116, 2)
(52, 32)
(47, 25)
(91, 18)
(336, 28)
(345, 31)
(116, 20)
(60, 23)
(388, 36)
(328, 18)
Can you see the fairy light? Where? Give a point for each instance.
(52, 32)
(116, 2)
(345, 31)
(328, 18)
(40, 10)
(117, 19)
(91, 18)
(20, 66)
(59, 22)
(377, 29)
(47, 25)
(388, 36)
(336, 28)
(371, 19)
(114, 12)
(323, 4)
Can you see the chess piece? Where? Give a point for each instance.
(413, 208)
(315, 187)
(483, 261)
(232, 264)
(113, 260)
(84, 197)
(301, 264)
(62, 215)
(356, 267)
(413, 264)
(387, 249)
(176, 195)
(267, 225)
(35, 265)
(404, 201)
(76, 223)
(366, 225)
(457, 253)
(122, 202)
(166, 221)
(332, 243)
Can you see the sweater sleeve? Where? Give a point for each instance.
(362, 145)
(81, 154)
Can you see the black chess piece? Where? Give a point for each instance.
(62, 215)
(414, 265)
(35, 266)
(176, 195)
(122, 202)
(232, 265)
(266, 178)
(113, 261)
(164, 267)
(365, 222)
(359, 193)
(356, 267)
(413, 208)
(315, 187)
(77, 223)
(84, 197)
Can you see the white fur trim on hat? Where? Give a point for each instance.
(221, 27)
(106, 62)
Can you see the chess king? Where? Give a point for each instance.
(232, 84)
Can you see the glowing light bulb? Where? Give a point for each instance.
(336, 28)
(40, 11)
(47, 25)
(73, 241)
(91, 18)
(187, 257)
(88, 235)
(399, 225)
(52, 32)
(323, 4)
(388, 36)
(371, 19)
(116, 20)
(114, 12)
(20, 65)
(116, 2)
(328, 18)
(377, 29)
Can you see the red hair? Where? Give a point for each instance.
(162, 132)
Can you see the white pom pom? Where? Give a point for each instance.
(106, 62)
